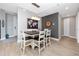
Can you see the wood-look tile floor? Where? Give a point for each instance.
(65, 47)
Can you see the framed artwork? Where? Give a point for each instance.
(32, 24)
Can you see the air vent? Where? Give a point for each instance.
(36, 5)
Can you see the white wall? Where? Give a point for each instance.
(40, 24)
(2, 17)
(62, 27)
(22, 21)
(77, 27)
(59, 27)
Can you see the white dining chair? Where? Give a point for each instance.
(25, 41)
(47, 37)
(40, 41)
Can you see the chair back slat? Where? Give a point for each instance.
(41, 35)
(47, 32)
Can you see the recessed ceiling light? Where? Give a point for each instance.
(66, 8)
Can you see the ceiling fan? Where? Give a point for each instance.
(36, 5)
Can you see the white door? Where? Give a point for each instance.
(10, 25)
(15, 25)
(66, 26)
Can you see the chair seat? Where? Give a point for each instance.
(27, 38)
(37, 38)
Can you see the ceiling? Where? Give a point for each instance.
(64, 9)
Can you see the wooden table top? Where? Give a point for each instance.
(31, 32)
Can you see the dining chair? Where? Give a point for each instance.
(40, 41)
(47, 36)
(25, 41)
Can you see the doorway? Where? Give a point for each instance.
(66, 26)
(70, 27)
(11, 25)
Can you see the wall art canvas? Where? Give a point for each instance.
(32, 24)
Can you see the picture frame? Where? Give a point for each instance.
(32, 24)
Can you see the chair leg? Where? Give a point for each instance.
(46, 41)
(21, 44)
(44, 44)
(33, 46)
(49, 41)
(39, 48)
(24, 49)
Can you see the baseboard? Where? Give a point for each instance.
(55, 39)
(13, 36)
(9, 36)
(3, 38)
(70, 36)
(62, 35)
